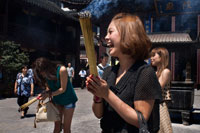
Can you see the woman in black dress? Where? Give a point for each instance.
(129, 86)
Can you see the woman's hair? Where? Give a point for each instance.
(134, 40)
(44, 69)
(164, 55)
(24, 66)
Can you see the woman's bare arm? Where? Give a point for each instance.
(128, 113)
(164, 77)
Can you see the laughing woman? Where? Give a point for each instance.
(129, 86)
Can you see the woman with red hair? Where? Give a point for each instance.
(130, 86)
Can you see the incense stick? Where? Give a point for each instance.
(86, 27)
(28, 103)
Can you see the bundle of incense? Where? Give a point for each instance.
(86, 27)
(28, 103)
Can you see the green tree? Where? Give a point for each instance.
(12, 58)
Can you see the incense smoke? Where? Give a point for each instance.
(101, 8)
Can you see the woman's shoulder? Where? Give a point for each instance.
(19, 75)
(165, 75)
(147, 69)
(165, 72)
(63, 68)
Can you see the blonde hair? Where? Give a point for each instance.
(134, 40)
(164, 55)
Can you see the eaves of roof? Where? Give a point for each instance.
(170, 38)
(76, 4)
(49, 6)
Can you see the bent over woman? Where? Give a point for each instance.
(129, 86)
(55, 78)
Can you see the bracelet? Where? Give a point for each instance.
(50, 94)
(97, 101)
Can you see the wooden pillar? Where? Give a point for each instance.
(77, 58)
(198, 66)
(151, 25)
(172, 66)
(198, 25)
(173, 24)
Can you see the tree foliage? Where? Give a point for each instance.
(12, 58)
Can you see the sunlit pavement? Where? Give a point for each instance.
(83, 121)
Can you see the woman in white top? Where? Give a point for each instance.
(82, 74)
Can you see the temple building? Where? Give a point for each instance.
(42, 28)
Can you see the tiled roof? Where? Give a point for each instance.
(170, 37)
(76, 4)
(77, 1)
(49, 6)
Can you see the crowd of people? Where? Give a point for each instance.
(119, 91)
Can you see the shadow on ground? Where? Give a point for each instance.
(30, 115)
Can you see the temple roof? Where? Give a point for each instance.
(75, 4)
(49, 6)
(170, 37)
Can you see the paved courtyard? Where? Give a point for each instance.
(83, 120)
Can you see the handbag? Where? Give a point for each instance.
(166, 93)
(143, 127)
(46, 112)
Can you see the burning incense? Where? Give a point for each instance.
(86, 27)
(28, 103)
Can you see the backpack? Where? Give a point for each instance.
(100, 67)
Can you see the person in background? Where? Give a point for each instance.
(24, 88)
(70, 71)
(82, 74)
(103, 65)
(129, 86)
(55, 79)
(30, 72)
(160, 60)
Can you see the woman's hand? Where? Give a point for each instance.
(32, 93)
(97, 86)
(15, 91)
(42, 96)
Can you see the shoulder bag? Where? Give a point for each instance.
(46, 112)
(143, 127)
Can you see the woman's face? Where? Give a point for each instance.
(24, 70)
(113, 40)
(155, 59)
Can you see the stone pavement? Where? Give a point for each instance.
(83, 121)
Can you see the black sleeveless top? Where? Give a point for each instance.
(138, 83)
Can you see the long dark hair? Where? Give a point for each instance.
(43, 70)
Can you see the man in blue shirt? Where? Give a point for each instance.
(101, 67)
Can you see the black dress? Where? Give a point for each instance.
(139, 83)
